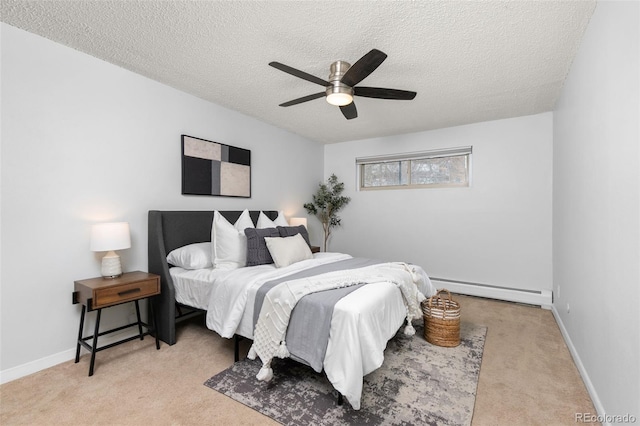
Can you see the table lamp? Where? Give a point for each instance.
(297, 221)
(110, 237)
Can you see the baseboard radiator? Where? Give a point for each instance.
(543, 298)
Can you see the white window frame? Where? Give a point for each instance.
(438, 153)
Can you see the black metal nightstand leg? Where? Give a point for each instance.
(139, 320)
(95, 343)
(80, 333)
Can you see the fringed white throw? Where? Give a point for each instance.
(271, 328)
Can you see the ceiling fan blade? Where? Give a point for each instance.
(363, 67)
(349, 111)
(304, 99)
(300, 74)
(382, 93)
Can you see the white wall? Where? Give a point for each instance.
(84, 141)
(596, 214)
(496, 232)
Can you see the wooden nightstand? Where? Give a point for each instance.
(99, 293)
(315, 249)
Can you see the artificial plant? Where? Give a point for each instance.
(327, 202)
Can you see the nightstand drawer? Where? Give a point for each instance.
(125, 293)
(98, 293)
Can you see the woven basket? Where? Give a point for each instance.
(441, 320)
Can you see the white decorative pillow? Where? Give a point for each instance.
(265, 222)
(191, 256)
(229, 243)
(288, 250)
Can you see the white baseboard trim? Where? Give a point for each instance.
(28, 368)
(542, 298)
(23, 370)
(583, 372)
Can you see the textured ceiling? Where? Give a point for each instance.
(469, 61)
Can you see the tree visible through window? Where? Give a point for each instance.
(385, 174)
(424, 169)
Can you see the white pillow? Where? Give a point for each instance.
(288, 250)
(191, 256)
(265, 222)
(229, 242)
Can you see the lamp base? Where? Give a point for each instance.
(111, 267)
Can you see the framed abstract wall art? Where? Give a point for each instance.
(212, 168)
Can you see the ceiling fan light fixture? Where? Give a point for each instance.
(339, 99)
(339, 94)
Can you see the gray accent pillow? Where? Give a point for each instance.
(257, 251)
(290, 231)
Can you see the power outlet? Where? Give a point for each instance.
(568, 308)
(558, 292)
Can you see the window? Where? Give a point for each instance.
(428, 169)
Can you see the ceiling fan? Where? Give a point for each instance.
(341, 86)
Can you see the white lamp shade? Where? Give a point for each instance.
(110, 236)
(296, 221)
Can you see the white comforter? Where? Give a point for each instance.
(361, 325)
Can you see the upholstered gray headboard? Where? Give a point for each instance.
(169, 230)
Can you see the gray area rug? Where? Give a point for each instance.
(418, 383)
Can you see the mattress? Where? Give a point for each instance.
(193, 287)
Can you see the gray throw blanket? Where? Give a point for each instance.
(308, 332)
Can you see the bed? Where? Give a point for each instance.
(361, 321)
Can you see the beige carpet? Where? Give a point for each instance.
(527, 378)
